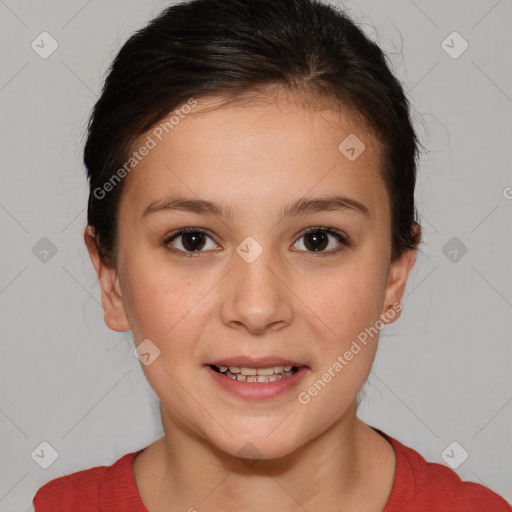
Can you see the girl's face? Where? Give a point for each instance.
(247, 288)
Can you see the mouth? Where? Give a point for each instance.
(261, 378)
(250, 374)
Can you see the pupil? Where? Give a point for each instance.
(195, 238)
(319, 240)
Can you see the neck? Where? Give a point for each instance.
(347, 467)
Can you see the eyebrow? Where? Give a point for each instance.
(299, 207)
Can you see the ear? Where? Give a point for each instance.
(398, 274)
(111, 296)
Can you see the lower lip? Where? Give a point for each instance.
(258, 390)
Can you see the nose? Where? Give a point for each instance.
(257, 297)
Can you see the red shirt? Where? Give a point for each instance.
(419, 486)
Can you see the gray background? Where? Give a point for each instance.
(442, 373)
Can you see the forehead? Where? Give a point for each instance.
(263, 149)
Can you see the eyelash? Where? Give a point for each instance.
(340, 236)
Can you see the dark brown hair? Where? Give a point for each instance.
(230, 48)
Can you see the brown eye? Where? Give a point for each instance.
(193, 241)
(190, 240)
(318, 239)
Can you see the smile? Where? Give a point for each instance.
(246, 374)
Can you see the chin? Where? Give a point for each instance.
(251, 446)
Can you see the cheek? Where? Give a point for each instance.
(346, 350)
(346, 302)
(160, 301)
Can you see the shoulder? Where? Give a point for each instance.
(82, 491)
(425, 486)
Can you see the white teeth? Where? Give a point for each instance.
(248, 371)
(246, 374)
(257, 378)
(266, 371)
(271, 370)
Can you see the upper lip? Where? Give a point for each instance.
(256, 362)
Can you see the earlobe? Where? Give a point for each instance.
(398, 274)
(111, 295)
